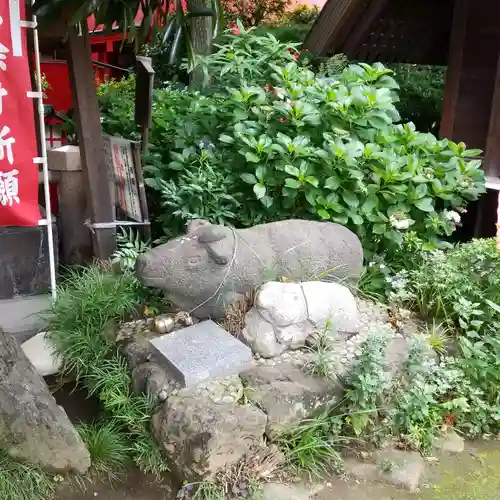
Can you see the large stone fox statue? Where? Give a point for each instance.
(214, 266)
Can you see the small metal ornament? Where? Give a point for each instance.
(164, 324)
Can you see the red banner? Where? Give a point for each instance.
(18, 172)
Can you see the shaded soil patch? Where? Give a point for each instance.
(79, 406)
(134, 486)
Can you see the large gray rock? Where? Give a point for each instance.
(213, 266)
(286, 314)
(404, 469)
(203, 436)
(32, 426)
(288, 395)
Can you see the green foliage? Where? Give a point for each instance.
(295, 33)
(321, 364)
(307, 148)
(468, 272)
(108, 446)
(208, 490)
(411, 405)
(313, 445)
(367, 387)
(301, 14)
(116, 100)
(460, 287)
(89, 303)
(23, 481)
(270, 140)
(421, 95)
(245, 59)
(129, 246)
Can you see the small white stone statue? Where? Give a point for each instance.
(285, 314)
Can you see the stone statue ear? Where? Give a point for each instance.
(196, 224)
(207, 236)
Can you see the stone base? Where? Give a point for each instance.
(288, 395)
(203, 437)
(24, 261)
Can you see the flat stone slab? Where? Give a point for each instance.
(201, 352)
(21, 317)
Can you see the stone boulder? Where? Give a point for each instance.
(203, 434)
(404, 469)
(153, 380)
(285, 314)
(32, 426)
(40, 351)
(288, 395)
(212, 267)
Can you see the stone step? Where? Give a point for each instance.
(22, 316)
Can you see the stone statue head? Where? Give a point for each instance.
(189, 265)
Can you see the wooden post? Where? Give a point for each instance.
(143, 98)
(492, 154)
(88, 129)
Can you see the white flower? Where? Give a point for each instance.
(399, 222)
(452, 216)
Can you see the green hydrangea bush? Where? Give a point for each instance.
(280, 143)
(269, 139)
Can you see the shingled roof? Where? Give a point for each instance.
(413, 31)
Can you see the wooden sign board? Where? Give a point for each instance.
(125, 177)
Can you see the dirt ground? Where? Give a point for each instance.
(472, 475)
(134, 486)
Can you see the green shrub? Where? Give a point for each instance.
(277, 142)
(301, 14)
(269, 140)
(445, 279)
(460, 287)
(421, 94)
(295, 33)
(116, 101)
(23, 481)
(108, 445)
(313, 445)
(82, 327)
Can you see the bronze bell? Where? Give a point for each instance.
(163, 324)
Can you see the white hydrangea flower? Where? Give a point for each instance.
(400, 222)
(452, 216)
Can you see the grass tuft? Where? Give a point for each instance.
(82, 327)
(321, 365)
(148, 456)
(109, 448)
(23, 481)
(313, 446)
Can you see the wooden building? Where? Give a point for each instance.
(464, 35)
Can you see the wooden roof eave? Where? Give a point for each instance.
(333, 25)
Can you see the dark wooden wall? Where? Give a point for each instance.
(472, 69)
(471, 111)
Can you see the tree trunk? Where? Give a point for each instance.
(201, 36)
(32, 426)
